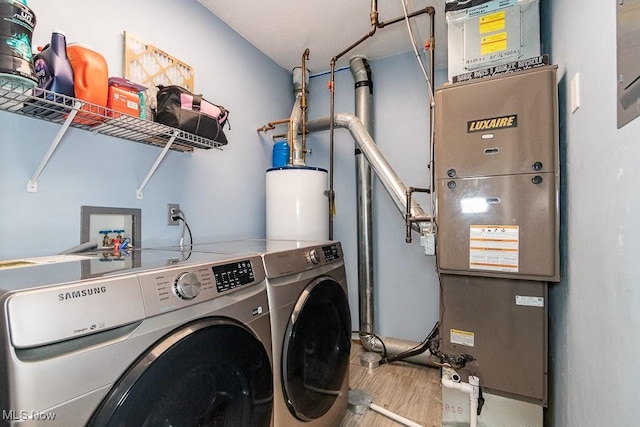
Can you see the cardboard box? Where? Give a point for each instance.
(124, 101)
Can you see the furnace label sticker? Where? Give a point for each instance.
(493, 43)
(493, 22)
(529, 301)
(489, 7)
(462, 337)
(494, 247)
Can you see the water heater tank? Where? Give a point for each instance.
(297, 207)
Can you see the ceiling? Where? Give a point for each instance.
(283, 29)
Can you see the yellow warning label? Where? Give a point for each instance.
(492, 22)
(457, 336)
(493, 43)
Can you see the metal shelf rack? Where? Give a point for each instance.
(18, 95)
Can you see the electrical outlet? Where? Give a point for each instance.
(172, 209)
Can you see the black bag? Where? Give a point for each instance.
(179, 108)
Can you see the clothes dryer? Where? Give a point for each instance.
(311, 327)
(157, 338)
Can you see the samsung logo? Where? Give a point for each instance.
(492, 123)
(82, 293)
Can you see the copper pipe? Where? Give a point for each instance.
(375, 24)
(272, 125)
(303, 103)
(428, 10)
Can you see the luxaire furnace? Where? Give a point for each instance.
(497, 210)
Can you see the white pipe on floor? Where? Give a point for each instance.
(472, 388)
(393, 416)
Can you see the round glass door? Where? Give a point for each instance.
(316, 349)
(212, 372)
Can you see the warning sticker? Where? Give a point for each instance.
(492, 22)
(462, 337)
(489, 7)
(529, 301)
(494, 247)
(493, 43)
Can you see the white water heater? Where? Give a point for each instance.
(297, 206)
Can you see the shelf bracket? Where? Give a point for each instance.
(157, 163)
(32, 185)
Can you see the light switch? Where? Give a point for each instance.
(575, 93)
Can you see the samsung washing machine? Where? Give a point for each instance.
(150, 338)
(310, 324)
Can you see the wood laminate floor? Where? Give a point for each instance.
(410, 390)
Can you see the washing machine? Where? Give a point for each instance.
(149, 338)
(310, 325)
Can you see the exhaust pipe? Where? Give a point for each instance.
(383, 170)
(364, 110)
(298, 117)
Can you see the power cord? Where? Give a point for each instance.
(180, 215)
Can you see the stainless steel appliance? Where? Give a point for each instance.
(310, 324)
(151, 338)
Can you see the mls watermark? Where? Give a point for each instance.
(14, 415)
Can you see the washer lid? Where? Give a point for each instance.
(52, 314)
(28, 273)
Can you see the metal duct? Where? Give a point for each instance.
(383, 170)
(364, 110)
(394, 346)
(295, 147)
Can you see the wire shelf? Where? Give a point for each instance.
(18, 95)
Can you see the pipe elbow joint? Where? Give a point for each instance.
(369, 342)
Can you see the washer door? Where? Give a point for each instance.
(316, 349)
(213, 372)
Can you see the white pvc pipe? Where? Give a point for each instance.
(393, 416)
(472, 388)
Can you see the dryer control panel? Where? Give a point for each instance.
(331, 253)
(283, 263)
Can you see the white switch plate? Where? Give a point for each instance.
(575, 93)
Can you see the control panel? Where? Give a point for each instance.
(177, 287)
(331, 253)
(233, 275)
(283, 263)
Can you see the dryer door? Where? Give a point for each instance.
(212, 372)
(316, 349)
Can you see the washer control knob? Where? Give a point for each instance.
(187, 286)
(314, 256)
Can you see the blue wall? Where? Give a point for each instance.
(594, 316)
(221, 192)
